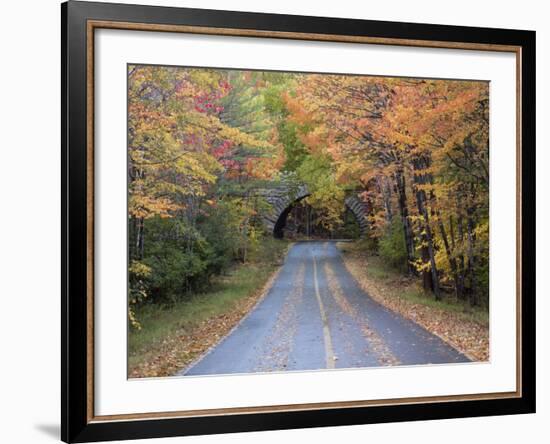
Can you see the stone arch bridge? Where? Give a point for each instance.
(281, 200)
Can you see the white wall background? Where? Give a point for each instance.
(30, 208)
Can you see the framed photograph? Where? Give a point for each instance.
(275, 221)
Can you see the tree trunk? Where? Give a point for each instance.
(472, 259)
(430, 277)
(428, 249)
(132, 235)
(459, 266)
(140, 235)
(404, 212)
(308, 221)
(385, 189)
(462, 265)
(450, 258)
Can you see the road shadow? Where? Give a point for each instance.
(51, 430)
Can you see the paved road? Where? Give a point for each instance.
(315, 316)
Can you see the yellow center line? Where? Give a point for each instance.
(329, 353)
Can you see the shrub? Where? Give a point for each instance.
(181, 257)
(138, 274)
(391, 245)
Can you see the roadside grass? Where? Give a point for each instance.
(409, 288)
(448, 303)
(172, 336)
(157, 322)
(463, 326)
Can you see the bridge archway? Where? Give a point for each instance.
(282, 205)
(280, 224)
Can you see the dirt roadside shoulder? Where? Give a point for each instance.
(468, 336)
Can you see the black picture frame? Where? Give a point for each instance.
(76, 423)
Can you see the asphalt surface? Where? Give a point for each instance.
(315, 316)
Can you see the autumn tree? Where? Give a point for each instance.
(420, 146)
(188, 138)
